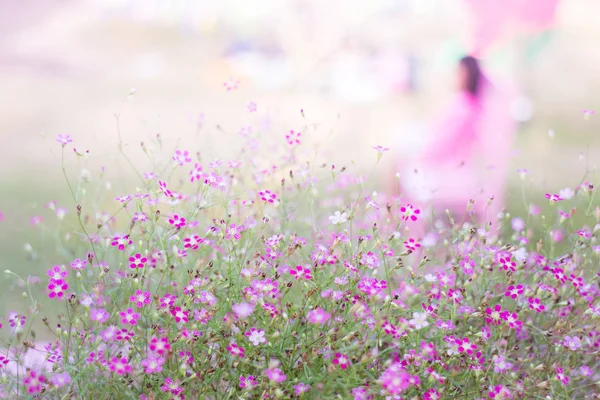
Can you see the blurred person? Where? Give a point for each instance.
(466, 158)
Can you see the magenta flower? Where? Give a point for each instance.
(247, 382)
(121, 241)
(561, 376)
(120, 366)
(536, 304)
(395, 379)
(57, 288)
(163, 187)
(341, 360)
(159, 346)
(167, 301)
(192, 242)
(64, 139)
(129, 317)
(256, 336)
(33, 382)
(243, 310)
(465, 346)
(410, 212)
(78, 264)
(153, 365)
(514, 291)
(300, 272)
(301, 388)
(512, 319)
(412, 244)
(572, 342)
(137, 261)
(553, 197)
(267, 196)
(177, 221)
(61, 379)
(234, 232)
(180, 314)
(181, 157)
(275, 375)
(57, 272)
(500, 392)
(494, 315)
(318, 316)
(236, 350)
(141, 298)
(293, 138)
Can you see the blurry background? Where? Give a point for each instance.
(365, 72)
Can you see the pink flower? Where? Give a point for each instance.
(129, 317)
(64, 139)
(494, 315)
(163, 187)
(57, 272)
(500, 392)
(561, 376)
(412, 244)
(267, 196)
(247, 382)
(182, 157)
(33, 382)
(465, 346)
(341, 360)
(500, 364)
(553, 197)
(61, 379)
(192, 242)
(380, 149)
(409, 212)
(431, 394)
(275, 375)
(235, 350)
(153, 365)
(243, 310)
(78, 264)
(120, 366)
(301, 388)
(167, 301)
(300, 272)
(121, 241)
(536, 304)
(137, 261)
(56, 288)
(251, 106)
(256, 336)
(572, 342)
(318, 316)
(395, 379)
(180, 314)
(231, 84)
(177, 221)
(141, 298)
(293, 138)
(234, 232)
(514, 291)
(159, 346)
(512, 319)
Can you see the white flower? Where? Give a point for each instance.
(430, 278)
(338, 218)
(566, 193)
(257, 337)
(419, 320)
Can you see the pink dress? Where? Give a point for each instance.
(467, 158)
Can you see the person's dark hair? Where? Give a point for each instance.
(474, 78)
